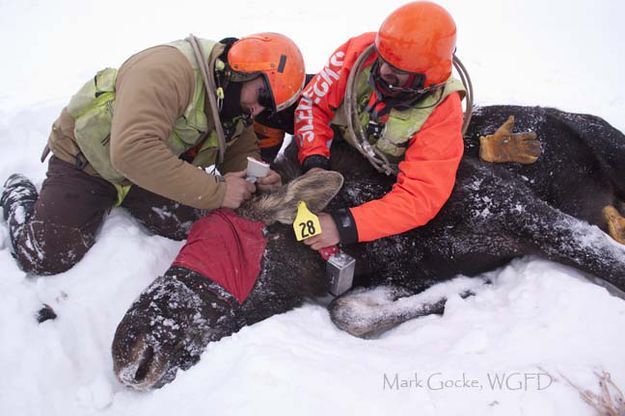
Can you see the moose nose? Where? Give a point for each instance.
(140, 367)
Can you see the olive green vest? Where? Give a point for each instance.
(401, 125)
(93, 106)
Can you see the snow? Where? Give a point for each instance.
(536, 317)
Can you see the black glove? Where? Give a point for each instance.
(345, 225)
(315, 161)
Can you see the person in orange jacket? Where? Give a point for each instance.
(407, 107)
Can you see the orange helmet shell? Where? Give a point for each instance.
(277, 58)
(419, 37)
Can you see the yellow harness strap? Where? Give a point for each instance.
(122, 191)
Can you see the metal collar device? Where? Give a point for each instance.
(340, 268)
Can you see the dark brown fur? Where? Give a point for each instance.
(495, 213)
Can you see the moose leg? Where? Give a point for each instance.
(568, 240)
(369, 312)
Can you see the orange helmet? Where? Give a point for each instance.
(277, 58)
(419, 37)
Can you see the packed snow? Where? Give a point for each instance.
(508, 350)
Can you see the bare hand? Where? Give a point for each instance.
(269, 182)
(329, 234)
(237, 189)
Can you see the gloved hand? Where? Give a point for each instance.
(616, 223)
(505, 146)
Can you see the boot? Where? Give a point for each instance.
(18, 202)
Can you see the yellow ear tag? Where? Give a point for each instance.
(306, 223)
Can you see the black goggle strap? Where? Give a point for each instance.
(419, 91)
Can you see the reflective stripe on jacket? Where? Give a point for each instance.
(93, 105)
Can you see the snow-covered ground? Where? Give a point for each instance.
(537, 318)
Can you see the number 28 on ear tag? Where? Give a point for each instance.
(306, 223)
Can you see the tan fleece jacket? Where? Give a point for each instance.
(153, 89)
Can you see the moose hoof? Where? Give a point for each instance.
(616, 223)
(364, 312)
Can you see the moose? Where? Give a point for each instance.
(561, 208)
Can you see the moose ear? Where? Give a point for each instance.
(316, 188)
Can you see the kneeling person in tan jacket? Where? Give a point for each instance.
(145, 137)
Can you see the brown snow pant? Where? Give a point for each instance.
(70, 210)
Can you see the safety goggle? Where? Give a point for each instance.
(396, 71)
(265, 97)
(416, 84)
